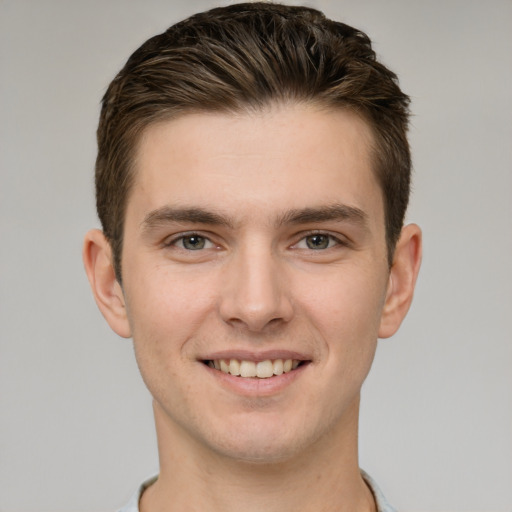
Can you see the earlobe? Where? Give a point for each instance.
(402, 280)
(97, 257)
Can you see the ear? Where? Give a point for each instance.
(402, 279)
(97, 256)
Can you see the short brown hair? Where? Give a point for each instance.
(246, 56)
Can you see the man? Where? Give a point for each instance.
(252, 179)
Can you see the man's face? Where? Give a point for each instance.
(255, 238)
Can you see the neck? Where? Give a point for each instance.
(324, 477)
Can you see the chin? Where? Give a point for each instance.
(263, 442)
(258, 451)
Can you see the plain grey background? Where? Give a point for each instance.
(76, 430)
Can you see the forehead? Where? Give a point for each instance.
(285, 157)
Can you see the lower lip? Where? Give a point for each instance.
(254, 386)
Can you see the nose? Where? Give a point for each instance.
(254, 291)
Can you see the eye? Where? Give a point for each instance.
(318, 242)
(192, 242)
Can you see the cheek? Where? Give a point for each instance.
(165, 312)
(347, 298)
(346, 312)
(166, 308)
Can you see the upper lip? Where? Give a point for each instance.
(249, 355)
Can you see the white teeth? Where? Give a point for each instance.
(247, 369)
(234, 367)
(264, 369)
(261, 369)
(278, 367)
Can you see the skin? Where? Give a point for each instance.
(219, 260)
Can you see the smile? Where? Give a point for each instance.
(247, 369)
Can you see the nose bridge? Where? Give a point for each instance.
(254, 292)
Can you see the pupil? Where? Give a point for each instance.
(193, 242)
(317, 242)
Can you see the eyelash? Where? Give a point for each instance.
(183, 236)
(331, 238)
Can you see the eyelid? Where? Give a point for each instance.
(173, 239)
(338, 238)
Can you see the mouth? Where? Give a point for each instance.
(244, 368)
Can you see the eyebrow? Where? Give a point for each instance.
(334, 212)
(309, 215)
(167, 214)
